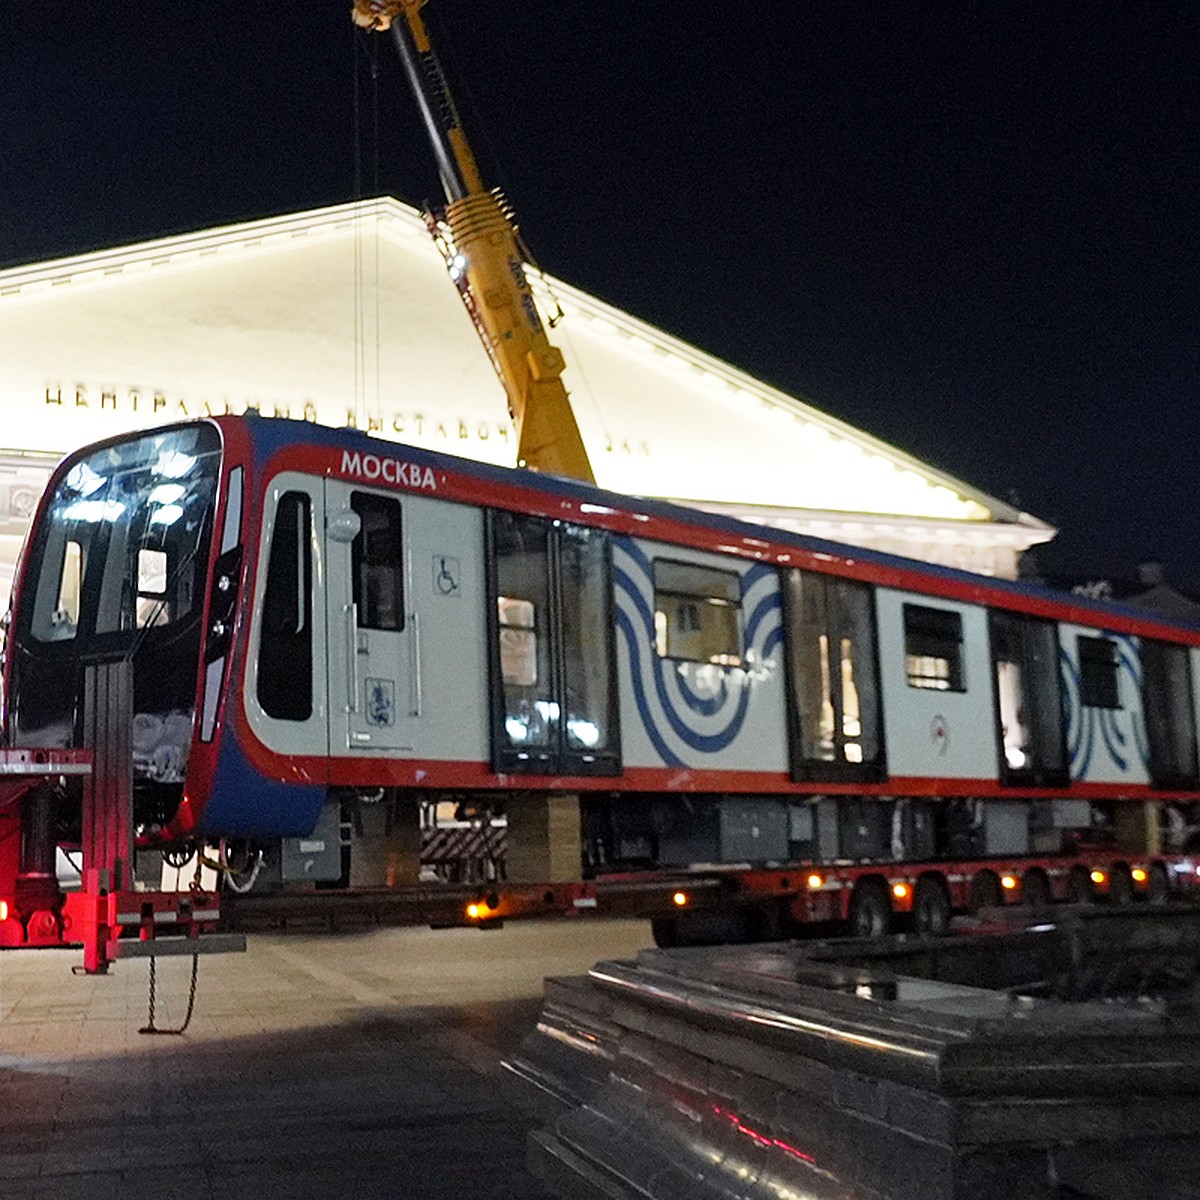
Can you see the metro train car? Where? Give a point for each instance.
(315, 617)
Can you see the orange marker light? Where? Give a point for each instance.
(899, 890)
(1008, 882)
(1139, 875)
(1098, 876)
(814, 882)
(680, 899)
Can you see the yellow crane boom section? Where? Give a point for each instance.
(483, 252)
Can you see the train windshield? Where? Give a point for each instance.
(116, 569)
(124, 540)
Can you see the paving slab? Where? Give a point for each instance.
(354, 1066)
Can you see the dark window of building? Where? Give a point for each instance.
(933, 648)
(285, 647)
(377, 562)
(831, 647)
(1028, 699)
(1098, 672)
(1170, 713)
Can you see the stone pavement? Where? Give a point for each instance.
(350, 1067)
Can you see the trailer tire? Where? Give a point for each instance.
(985, 892)
(1035, 890)
(931, 906)
(665, 931)
(1158, 891)
(870, 908)
(1120, 885)
(1079, 886)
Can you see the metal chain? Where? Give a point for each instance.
(150, 1027)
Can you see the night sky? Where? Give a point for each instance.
(969, 229)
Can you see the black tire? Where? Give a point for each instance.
(726, 927)
(666, 932)
(870, 909)
(1079, 886)
(1120, 885)
(986, 891)
(1035, 890)
(1158, 890)
(931, 906)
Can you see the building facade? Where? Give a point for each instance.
(345, 316)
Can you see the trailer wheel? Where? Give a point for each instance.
(1035, 890)
(985, 892)
(870, 908)
(1120, 885)
(1079, 886)
(1158, 891)
(666, 932)
(931, 906)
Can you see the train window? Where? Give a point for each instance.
(833, 677)
(933, 648)
(585, 615)
(518, 641)
(1028, 699)
(285, 647)
(376, 562)
(697, 613)
(1098, 672)
(151, 587)
(58, 621)
(522, 566)
(1170, 714)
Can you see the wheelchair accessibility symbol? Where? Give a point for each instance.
(447, 575)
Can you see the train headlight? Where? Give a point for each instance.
(1008, 882)
(1139, 875)
(899, 890)
(473, 911)
(815, 882)
(1098, 877)
(680, 899)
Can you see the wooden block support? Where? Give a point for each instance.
(385, 849)
(1136, 825)
(544, 838)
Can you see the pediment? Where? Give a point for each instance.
(345, 315)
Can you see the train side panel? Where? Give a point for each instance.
(700, 662)
(939, 708)
(392, 668)
(1102, 690)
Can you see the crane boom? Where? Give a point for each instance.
(482, 249)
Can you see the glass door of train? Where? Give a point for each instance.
(373, 677)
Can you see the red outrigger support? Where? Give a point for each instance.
(111, 916)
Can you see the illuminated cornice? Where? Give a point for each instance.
(659, 416)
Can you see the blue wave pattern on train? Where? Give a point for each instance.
(1106, 739)
(691, 709)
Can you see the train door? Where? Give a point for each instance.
(554, 705)
(373, 677)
